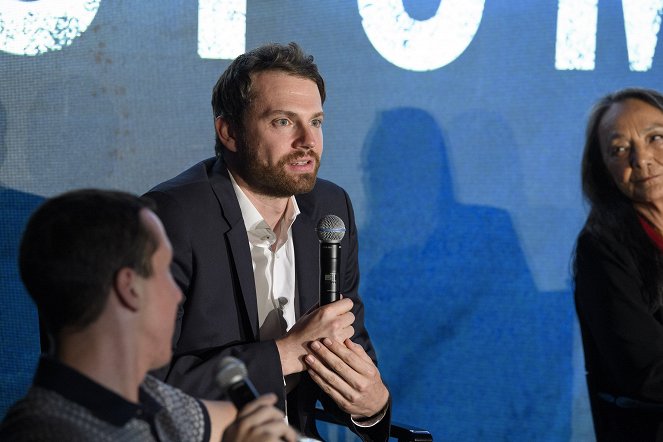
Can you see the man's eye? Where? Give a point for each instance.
(316, 123)
(281, 122)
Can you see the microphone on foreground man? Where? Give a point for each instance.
(97, 265)
(233, 379)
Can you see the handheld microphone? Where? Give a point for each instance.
(233, 379)
(331, 231)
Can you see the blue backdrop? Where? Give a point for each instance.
(456, 127)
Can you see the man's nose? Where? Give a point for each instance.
(307, 138)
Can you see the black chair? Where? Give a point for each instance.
(621, 418)
(401, 432)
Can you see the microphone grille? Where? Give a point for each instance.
(230, 371)
(330, 229)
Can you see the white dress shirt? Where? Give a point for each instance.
(273, 266)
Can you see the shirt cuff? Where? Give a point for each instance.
(373, 420)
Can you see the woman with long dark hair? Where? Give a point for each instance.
(619, 265)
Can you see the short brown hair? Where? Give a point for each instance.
(231, 96)
(74, 245)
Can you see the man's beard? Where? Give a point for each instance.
(275, 181)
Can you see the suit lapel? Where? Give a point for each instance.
(307, 249)
(238, 240)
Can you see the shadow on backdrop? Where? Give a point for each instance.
(19, 325)
(470, 348)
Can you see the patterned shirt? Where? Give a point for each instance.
(65, 405)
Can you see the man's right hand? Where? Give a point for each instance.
(333, 321)
(260, 421)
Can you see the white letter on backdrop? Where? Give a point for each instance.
(642, 21)
(420, 45)
(35, 27)
(576, 35)
(221, 28)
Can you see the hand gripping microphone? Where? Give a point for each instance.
(331, 231)
(233, 379)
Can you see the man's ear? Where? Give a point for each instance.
(126, 285)
(225, 133)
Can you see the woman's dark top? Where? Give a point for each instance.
(622, 339)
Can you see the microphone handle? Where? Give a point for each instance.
(330, 263)
(242, 392)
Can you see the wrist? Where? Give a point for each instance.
(383, 405)
(290, 359)
(369, 421)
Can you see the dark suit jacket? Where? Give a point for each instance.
(622, 341)
(212, 265)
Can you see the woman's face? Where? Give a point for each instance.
(631, 139)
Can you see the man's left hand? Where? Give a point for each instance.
(348, 375)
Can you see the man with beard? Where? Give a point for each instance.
(242, 225)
